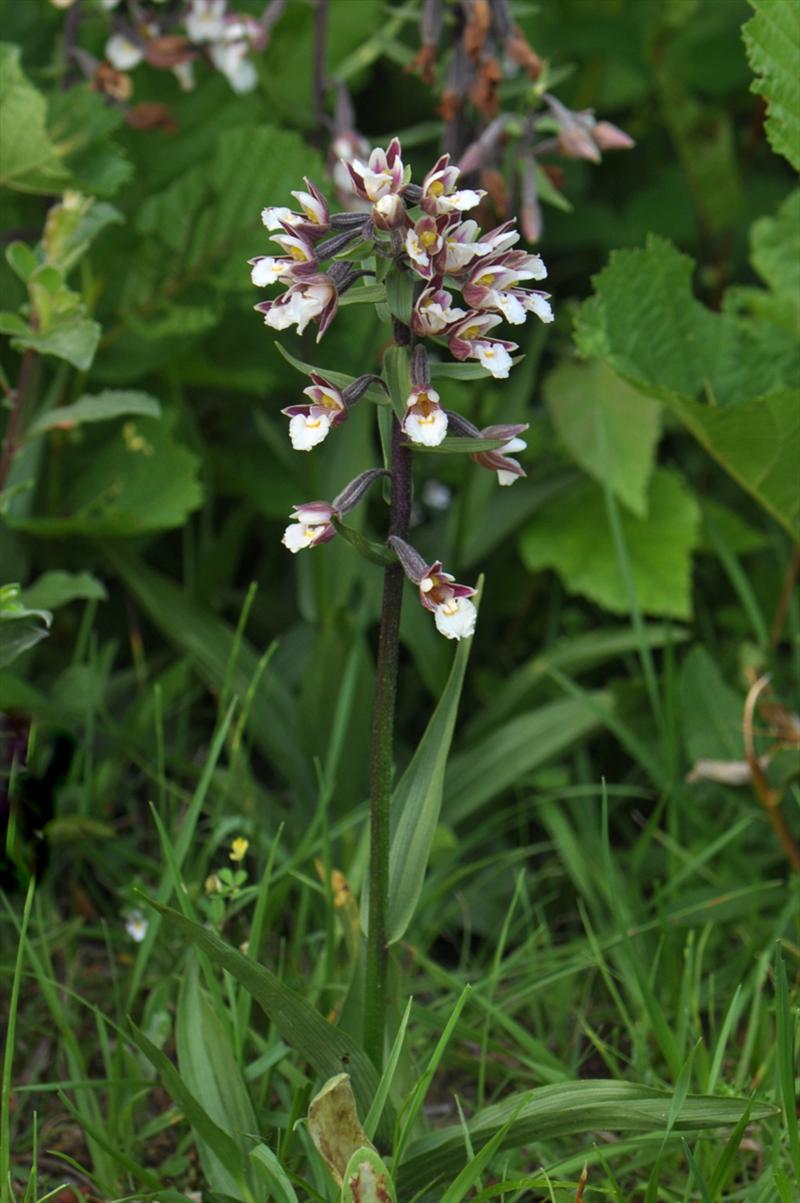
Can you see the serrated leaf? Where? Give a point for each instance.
(608, 427)
(772, 40)
(775, 253)
(564, 1109)
(726, 378)
(111, 403)
(30, 160)
(138, 479)
(573, 536)
(206, 224)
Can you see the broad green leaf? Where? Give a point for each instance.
(22, 260)
(57, 588)
(112, 403)
(573, 537)
(710, 710)
(367, 1180)
(772, 40)
(726, 378)
(503, 758)
(210, 643)
(327, 1048)
(567, 1109)
(21, 626)
(609, 428)
(73, 338)
(19, 633)
(139, 479)
(417, 802)
(775, 249)
(208, 1066)
(224, 1147)
(30, 160)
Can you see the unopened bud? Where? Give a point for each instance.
(355, 492)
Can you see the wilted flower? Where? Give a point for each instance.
(454, 614)
(312, 423)
(424, 420)
(438, 190)
(136, 926)
(239, 848)
(468, 340)
(381, 175)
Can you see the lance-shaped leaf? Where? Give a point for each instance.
(111, 403)
(375, 392)
(417, 802)
(397, 374)
(328, 1049)
(375, 553)
(566, 1109)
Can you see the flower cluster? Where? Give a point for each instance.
(225, 39)
(434, 252)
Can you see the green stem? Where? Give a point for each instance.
(383, 755)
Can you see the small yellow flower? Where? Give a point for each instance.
(239, 848)
(211, 884)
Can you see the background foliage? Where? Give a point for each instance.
(185, 683)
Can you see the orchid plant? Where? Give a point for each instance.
(415, 241)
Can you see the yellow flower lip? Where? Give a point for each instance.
(239, 848)
(435, 188)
